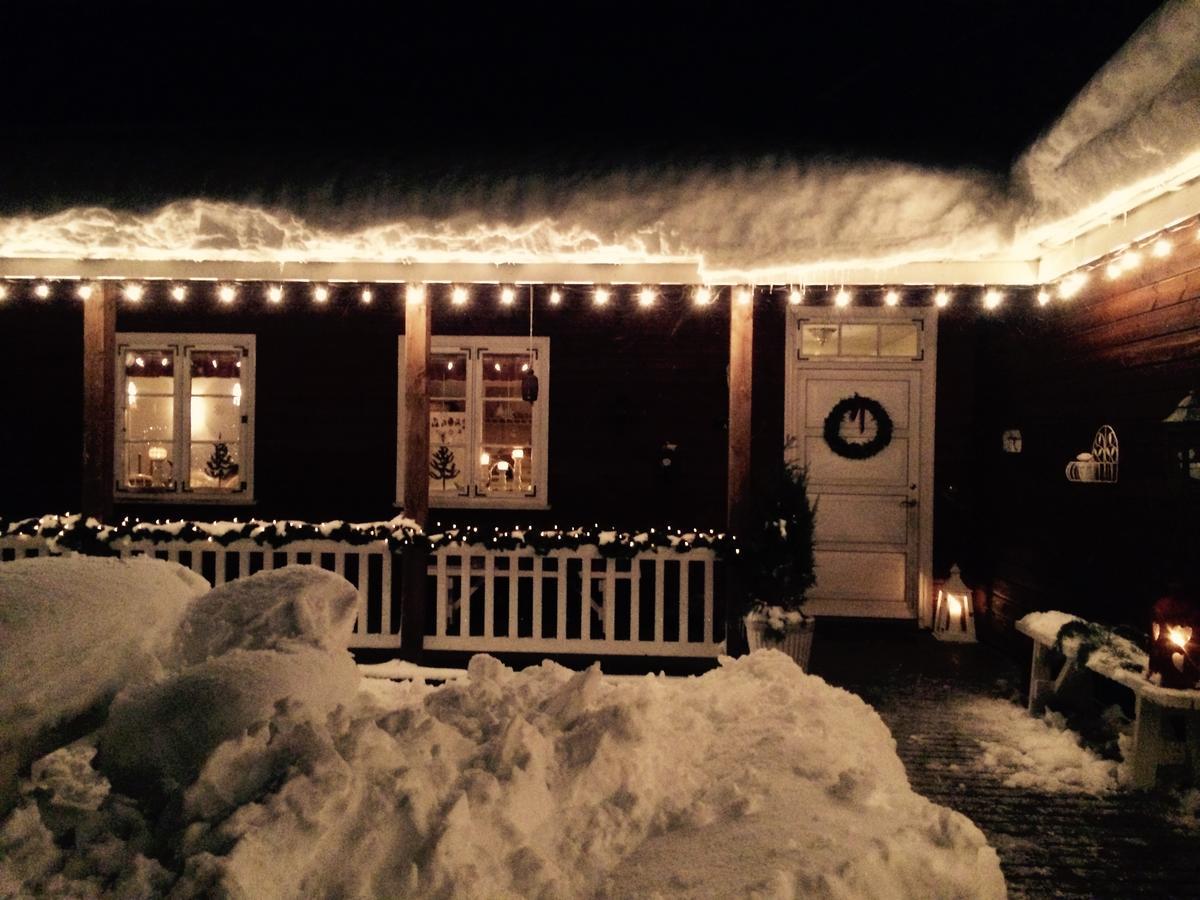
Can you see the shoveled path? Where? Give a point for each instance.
(1123, 844)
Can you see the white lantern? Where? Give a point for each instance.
(954, 615)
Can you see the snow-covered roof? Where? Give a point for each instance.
(1129, 142)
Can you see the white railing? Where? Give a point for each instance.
(574, 601)
(485, 600)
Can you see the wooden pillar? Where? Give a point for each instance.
(417, 331)
(741, 368)
(737, 507)
(99, 401)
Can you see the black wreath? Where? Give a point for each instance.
(857, 407)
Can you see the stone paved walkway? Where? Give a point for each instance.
(1122, 844)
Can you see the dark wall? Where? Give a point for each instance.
(1123, 353)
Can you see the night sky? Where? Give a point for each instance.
(157, 101)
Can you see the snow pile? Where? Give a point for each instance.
(1134, 126)
(1038, 754)
(545, 782)
(73, 631)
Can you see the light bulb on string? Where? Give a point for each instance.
(842, 298)
(646, 296)
(892, 298)
(275, 294)
(1162, 247)
(1131, 260)
(41, 290)
(508, 296)
(414, 293)
(459, 295)
(178, 293)
(602, 295)
(555, 296)
(703, 295)
(320, 294)
(992, 298)
(744, 296)
(1043, 297)
(134, 292)
(1071, 285)
(366, 296)
(1113, 269)
(3, 291)
(942, 298)
(84, 291)
(796, 296)
(227, 293)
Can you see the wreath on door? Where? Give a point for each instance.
(861, 410)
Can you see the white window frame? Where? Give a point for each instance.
(474, 346)
(181, 344)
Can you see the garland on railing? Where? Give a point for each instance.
(73, 532)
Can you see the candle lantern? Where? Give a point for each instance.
(1175, 642)
(954, 613)
(1183, 438)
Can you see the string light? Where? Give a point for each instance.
(602, 295)
(415, 293)
(3, 291)
(41, 290)
(367, 296)
(227, 293)
(275, 294)
(1162, 247)
(134, 292)
(321, 293)
(646, 296)
(555, 296)
(459, 296)
(703, 295)
(942, 298)
(179, 293)
(892, 298)
(1131, 260)
(84, 291)
(1113, 269)
(744, 296)
(992, 299)
(842, 298)
(1072, 285)
(508, 296)
(1043, 297)
(796, 296)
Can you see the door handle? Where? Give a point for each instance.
(908, 503)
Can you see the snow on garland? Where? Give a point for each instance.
(859, 408)
(73, 532)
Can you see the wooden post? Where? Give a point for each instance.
(417, 330)
(737, 508)
(99, 401)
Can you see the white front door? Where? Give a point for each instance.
(862, 425)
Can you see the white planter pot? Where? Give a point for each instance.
(796, 643)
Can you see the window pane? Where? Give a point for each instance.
(149, 418)
(899, 340)
(216, 411)
(449, 466)
(506, 452)
(859, 340)
(819, 340)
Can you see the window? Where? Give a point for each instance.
(898, 340)
(185, 417)
(487, 443)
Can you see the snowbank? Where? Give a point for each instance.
(547, 782)
(73, 631)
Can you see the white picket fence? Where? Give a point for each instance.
(484, 600)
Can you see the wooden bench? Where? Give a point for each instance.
(1166, 730)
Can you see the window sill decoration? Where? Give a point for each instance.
(1099, 466)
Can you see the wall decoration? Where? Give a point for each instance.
(1099, 466)
(220, 464)
(858, 428)
(1011, 440)
(442, 466)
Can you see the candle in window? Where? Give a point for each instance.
(518, 456)
(502, 467)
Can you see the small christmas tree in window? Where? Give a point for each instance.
(442, 465)
(220, 465)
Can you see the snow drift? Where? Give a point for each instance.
(73, 631)
(255, 768)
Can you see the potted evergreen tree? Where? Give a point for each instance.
(777, 565)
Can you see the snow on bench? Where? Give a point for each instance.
(1166, 729)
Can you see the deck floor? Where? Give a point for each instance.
(1122, 844)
